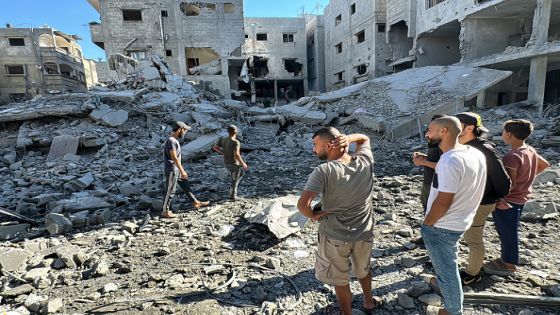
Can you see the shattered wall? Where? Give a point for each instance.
(354, 41)
(168, 28)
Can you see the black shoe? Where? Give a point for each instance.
(467, 279)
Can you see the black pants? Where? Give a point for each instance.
(171, 181)
(236, 173)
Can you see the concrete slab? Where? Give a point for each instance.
(301, 114)
(201, 146)
(62, 145)
(12, 259)
(8, 232)
(280, 215)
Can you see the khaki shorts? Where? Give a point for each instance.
(334, 259)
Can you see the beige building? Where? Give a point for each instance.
(37, 60)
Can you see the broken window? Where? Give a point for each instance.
(433, 3)
(168, 52)
(193, 62)
(338, 48)
(360, 37)
(15, 69)
(137, 55)
(50, 68)
(338, 19)
(288, 38)
(203, 56)
(246, 35)
(192, 9)
(353, 8)
(311, 40)
(17, 97)
(19, 41)
(292, 66)
(132, 15)
(262, 36)
(229, 8)
(260, 67)
(66, 70)
(361, 69)
(481, 1)
(46, 40)
(381, 27)
(339, 76)
(164, 13)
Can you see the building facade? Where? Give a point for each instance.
(37, 60)
(275, 50)
(516, 35)
(200, 40)
(355, 42)
(315, 31)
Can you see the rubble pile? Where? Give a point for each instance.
(81, 186)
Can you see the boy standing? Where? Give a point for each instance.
(523, 164)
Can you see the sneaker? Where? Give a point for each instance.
(467, 279)
(499, 268)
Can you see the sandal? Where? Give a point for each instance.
(499, 268)
(377, 302)
(168, 215)
(435, 286)
(200, 204)
(433, 310)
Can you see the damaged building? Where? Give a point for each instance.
(276, 59)
(200, 40)
(516, 35)
(315, 31)
(355, 45)
(34, 61)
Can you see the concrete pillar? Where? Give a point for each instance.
(480, 99)
(275, 92)
(225, 66)
(253, 92)
(537, 76)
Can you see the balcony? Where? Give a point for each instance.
(55, 54)
(96, 31)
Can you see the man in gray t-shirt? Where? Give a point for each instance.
(231, 149)
(345, 183)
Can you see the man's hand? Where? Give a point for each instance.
(245, 166)
(502, 204)
(318, 215)
(419, 159)
(184, 175)
(340, 142)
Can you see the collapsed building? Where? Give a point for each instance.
(37, 60)
(200, 40)
(514, 35)
(276, 64)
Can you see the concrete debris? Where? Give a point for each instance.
(57, 224)
(13, 259)
(108, 116)
(280, 215)
(301, 114)
(62, 145)
(534, 210)
(8, 232)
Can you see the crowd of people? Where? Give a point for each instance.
(465, 180)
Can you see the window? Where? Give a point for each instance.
(164, 13)
(17, 41)
(433, 3)
(193, 62)
(262, 36)
(311, 40)
(15, 70)
(17, 97)
(338, 48)
(338, 19)
(360, 37)
(229, 8)
(246, 35)
(169, 52)
(132, 15)
(361, 69)
(381, 27)
(136, 54)
(353, 8)
(288, 38)
(338, 77)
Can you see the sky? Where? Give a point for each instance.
(72, 16)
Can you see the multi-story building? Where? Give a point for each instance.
(276, 56)
(315, 30)
(37, 60)
(355, 45)
(200, 40)
(516, 35)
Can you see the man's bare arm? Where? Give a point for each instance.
(217, 148)
(177, 162)
(439, 208)
(344, 141)
(239, 159)
(304, 206)
(542, 164)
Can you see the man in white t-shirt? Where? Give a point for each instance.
(456, 192)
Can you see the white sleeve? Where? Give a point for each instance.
(449, 175)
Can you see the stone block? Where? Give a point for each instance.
(8, 232)
(12, 259)
(62, 145)
(57, 224)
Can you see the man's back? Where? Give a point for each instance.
(524, 161)
(229, 148)
(346, 195)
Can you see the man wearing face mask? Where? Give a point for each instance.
(174, 171)
(456, 192)
(345, 183)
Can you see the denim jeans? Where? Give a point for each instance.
(507, 226)
(442, 249)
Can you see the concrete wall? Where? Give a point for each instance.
(315, 32)
(102, 69)
(90, 73)
(440, 51)
(371, 53)
(41, 46)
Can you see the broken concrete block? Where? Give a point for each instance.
(37, 272)
(34, 303)
(372, 123)
(79, 219)
(130, 227)
(548, 176)
(280, 215)
(108, 116)
(80, 183)
(62, 145)
(150, 73)
(175, 281)
(8, 232)
(83, 203)
(534, 210)
(17, 291)
(100, 217)
(11, 260)
(301, 114)
(57, 224)
(53, 306)
(109, 287)
(200, 147)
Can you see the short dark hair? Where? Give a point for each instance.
(519, 128)
(437, 116)
(328, 133)
(232, 129)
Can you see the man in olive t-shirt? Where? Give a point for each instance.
(345, 183)
(231, 149)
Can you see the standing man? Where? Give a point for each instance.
(456, 192)
(231, 150)
(497, 186)
(174, 171)
(523, 164)
(428, 161)
(346, 222)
